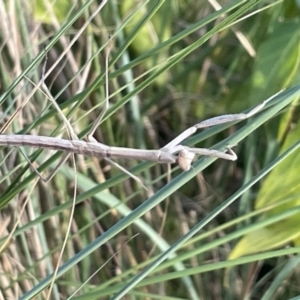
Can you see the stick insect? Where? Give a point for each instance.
(173, 152)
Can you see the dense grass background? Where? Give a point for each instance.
(208, 233)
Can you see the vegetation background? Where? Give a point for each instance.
(208, 233)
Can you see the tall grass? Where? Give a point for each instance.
(171, 65)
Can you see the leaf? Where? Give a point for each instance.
(149, 35)
(268, 238)
(277, 59)
(277, 66)
(61, 9)
(280, 192)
